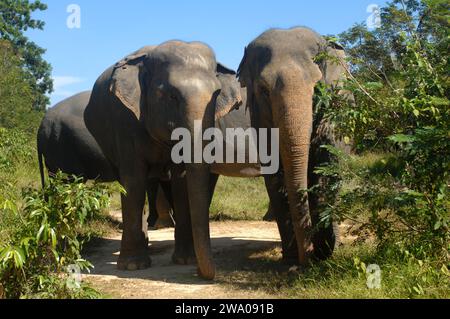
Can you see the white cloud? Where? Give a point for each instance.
(61, 82)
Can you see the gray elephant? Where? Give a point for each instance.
(240, 119)
(64, 143)
(134, 108)
(280, 72)
(236, 118)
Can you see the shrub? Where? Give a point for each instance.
(36, 253)
(404, 118)
(17, 157)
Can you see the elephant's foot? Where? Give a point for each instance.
(132, 263)
(184, 257)
(325, 241)
(290, 259)
(290, 253)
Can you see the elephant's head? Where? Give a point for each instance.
(280, 73)
(171, 86)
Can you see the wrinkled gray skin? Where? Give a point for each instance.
(67, 145)
(280, 74)
(237, 118)
(64, 143)
(134, 107)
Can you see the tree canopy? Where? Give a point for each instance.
(15, 20)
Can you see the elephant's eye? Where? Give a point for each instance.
(173, 96)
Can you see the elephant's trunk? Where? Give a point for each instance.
(198, 186)
(294, 118)
(197, 179)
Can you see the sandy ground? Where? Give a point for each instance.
(233, 244)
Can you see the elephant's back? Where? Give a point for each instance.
(74, 105)
(67, 144)
(65, 119)
(60, 115)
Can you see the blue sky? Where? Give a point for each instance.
(112, 29)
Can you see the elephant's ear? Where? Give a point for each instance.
(230, 94)
(222, 69)
(335, 66)
(126, 81)
(242, 72)
(335, 45)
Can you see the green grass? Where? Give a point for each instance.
(234, 199)
(340, 277)
(239, 199)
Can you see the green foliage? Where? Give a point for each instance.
(35, 254)
(15, 19)
(400, 73)
(13, 148)
(373, 196)
(17, 159)
(16, 93)
(401, 195)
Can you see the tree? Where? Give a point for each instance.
(15, 19)
(16, 93)
(402, 112)
(375, 54)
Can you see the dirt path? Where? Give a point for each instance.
(233, 244)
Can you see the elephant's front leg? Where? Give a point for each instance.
(280, 207)
(134, 253)
(184, 253)
(184, 244)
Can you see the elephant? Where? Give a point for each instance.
(65, 144)
(161, 214)
(236, 118)
(280, 70)
(134, 109)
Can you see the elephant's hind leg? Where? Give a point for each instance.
(152, 190)
(184, 253)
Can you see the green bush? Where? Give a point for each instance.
(401, 195)
(36, 252)
(17, 162)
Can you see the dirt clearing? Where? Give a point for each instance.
(235, 245)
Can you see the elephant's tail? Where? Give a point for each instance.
(41, 164)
